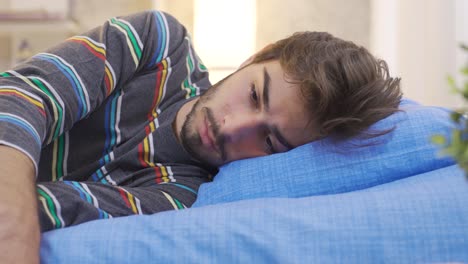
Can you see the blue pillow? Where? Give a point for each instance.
(323, 167)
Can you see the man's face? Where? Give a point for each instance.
(254, 112)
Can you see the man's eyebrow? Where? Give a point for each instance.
(266, 104)
(266, 89)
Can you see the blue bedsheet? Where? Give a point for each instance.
(419, 219)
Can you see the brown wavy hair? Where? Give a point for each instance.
(345, 87)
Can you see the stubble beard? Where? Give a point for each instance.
(190, 138)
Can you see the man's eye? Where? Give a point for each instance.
(253, 94)
(269, 145)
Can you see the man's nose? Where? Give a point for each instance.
(240, 127)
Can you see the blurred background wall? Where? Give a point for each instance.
(419, 38)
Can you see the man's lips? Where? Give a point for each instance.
(207, 136)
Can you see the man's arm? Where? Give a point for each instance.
(19, 228)
(42, 98)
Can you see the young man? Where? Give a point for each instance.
(122, 120)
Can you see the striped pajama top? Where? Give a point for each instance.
(95, 115)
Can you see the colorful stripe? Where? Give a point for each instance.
(162, 42)
(70, 73)
(59, 156)
(130, 200)
(111, 123)
(146, 156)
(58, 107)
(133, 40)
(100, 175)
(190, 88)
(109, 180)
(118, 111)
(176, 204)
(201, 66)
(109, 78)
(56, 102)
(20, 122)
(183, 187)
(162, 75)
(22, 94)
(87, 195)
(163, 174)
(99, 51)
(60, 149)
(51, 206)
(146, 147)
(113, 110)
(65, 152)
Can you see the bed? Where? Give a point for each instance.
(394, 199)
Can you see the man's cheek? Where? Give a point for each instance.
(243, 150)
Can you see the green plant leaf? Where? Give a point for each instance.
(455, 116)
(464, 156)
(464, 70)
(452, 85)
(456, 138)
(456, 145)
(439, 139)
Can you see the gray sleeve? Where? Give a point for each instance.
(46, 95)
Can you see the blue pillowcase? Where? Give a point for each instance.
(421, 219)
(324, 167)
